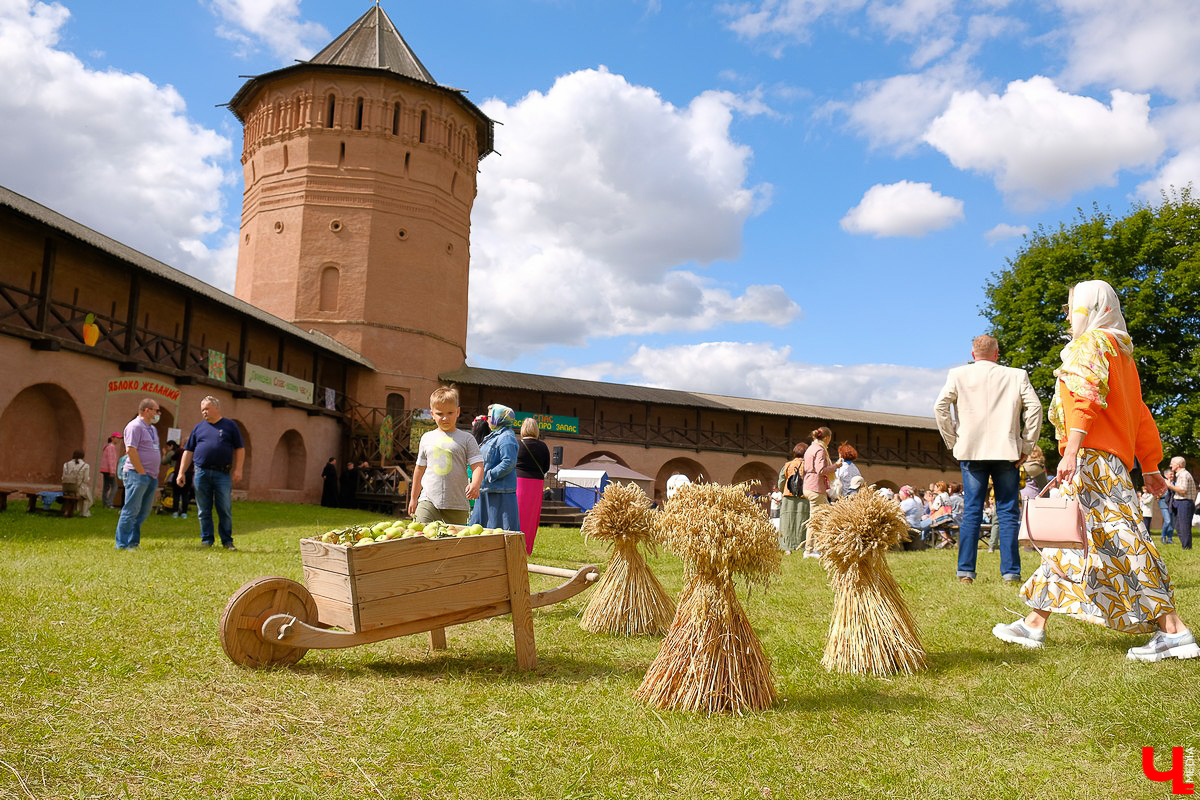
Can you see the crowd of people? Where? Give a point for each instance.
(990, 418)
(492, 476)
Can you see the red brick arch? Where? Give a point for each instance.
(39, 430)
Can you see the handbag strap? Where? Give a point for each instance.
(521, 439)
(1087, 550)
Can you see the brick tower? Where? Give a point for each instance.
(359, 180)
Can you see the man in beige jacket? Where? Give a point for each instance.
(990, 418)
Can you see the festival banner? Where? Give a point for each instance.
(216, 365)
(278, 383)
(550, 423)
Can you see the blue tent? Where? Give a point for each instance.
(582, 487)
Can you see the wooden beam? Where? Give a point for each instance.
(187, 333)
(49, 254)
(242, 343)
(135, 299)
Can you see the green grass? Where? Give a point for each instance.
(114, 685)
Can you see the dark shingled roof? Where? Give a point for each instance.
(501, 379)
(373, 42)
(145, 263)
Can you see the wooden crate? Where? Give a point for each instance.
(406, 580)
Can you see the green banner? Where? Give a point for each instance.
(550, 423)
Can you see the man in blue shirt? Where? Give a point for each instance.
(217, 449)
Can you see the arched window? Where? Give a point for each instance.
(330, 107)
(330, 278)
(424, 125)
(396, 119)
(358, 115)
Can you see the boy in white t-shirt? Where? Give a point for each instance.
(440, 490)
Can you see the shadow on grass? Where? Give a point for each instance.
(946, 661)
(495, 666)
(867, 700)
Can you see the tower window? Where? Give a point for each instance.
(330, 278)
(396, 119)
(424, 123)
(407, 156)
(330, 107)
(358, 115)
(342, 156)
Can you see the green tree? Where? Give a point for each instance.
(1151, 257)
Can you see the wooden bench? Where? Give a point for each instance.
(68, 502)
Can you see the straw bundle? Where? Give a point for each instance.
(629, 600)
(872, 631)
(711, 660)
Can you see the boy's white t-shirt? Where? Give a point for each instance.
(445, 457)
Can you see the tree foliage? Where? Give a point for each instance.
(1151, 257)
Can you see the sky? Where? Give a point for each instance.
(799, 200)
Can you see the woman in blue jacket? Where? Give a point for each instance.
(498, 495)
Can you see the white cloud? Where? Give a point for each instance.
(276, 23)
(110, 149)
(902, 209)
(896, 112)
(1040, 144)
(1180, 171)
(604, 192)
(790, 18)
(1004, 231)
(761, 370)
(1149, 45)
(1180, 124)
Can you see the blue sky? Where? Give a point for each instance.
(793, 199)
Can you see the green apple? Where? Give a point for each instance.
(416, 526)
(476, 529)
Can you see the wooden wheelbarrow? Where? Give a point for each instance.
(389, 589)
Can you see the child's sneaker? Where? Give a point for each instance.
(1019, 633)
(1166, 645)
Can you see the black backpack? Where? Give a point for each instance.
(795, 483)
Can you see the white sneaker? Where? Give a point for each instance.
(1019, 633)
(1166, 645)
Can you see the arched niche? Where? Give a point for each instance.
(39, 429)
(289, 462)
(694, 471)
(761, 476)
(329, 288)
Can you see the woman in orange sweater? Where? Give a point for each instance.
(1102, 425)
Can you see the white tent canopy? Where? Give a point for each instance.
(583, 478)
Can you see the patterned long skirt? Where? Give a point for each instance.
(1124, 584)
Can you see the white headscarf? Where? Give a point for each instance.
(1094, 306)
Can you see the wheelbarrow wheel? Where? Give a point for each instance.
(249, 607)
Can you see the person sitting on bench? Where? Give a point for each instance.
(77, 482)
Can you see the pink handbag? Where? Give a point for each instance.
(1054, 522)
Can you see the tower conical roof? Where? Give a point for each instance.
(373, 42)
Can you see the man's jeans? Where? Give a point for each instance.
(1184, 509)
(1005, 482)
(214, 487)
(1168, 526)
(139, 499)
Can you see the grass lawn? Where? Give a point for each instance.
(113, 684)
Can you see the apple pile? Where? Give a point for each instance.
(361, 535)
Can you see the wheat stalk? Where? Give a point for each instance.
(871, 631)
